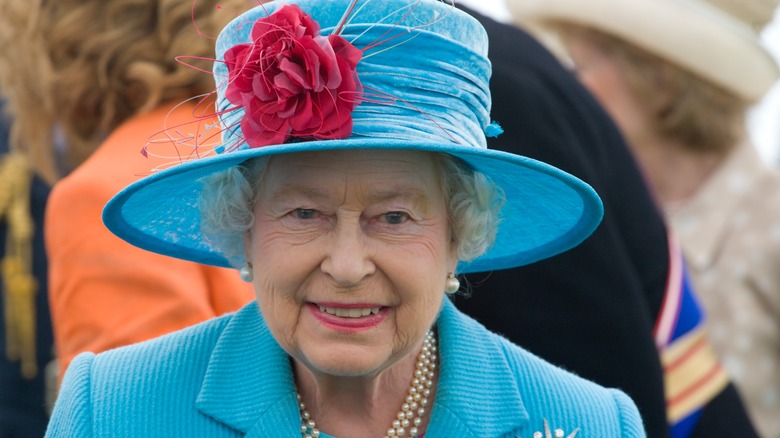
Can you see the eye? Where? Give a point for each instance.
(395, 217)
(304, 213)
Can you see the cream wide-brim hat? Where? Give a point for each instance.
(692, 34)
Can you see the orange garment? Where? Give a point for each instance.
(104, 292)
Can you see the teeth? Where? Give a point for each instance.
(354, 312)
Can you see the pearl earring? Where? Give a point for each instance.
(245, 272)
(453, 284)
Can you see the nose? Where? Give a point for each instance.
(348, 259)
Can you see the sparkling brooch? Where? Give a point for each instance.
(557, 433)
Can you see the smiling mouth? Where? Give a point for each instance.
(356, 312)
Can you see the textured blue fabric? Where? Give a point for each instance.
(228, 377)
(432, 76)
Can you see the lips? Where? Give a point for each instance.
(350, 312)
(349, 317)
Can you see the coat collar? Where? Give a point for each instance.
(478, 393)
(704, 221)
(249, 385)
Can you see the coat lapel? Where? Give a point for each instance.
(248, 383)
(477, 395)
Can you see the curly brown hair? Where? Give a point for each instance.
(80, 68)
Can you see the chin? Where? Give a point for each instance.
(348, 362)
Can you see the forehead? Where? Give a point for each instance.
(375, 169)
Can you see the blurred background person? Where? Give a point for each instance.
(26, 344)
(101, 77)
(679, 78)
(617, 274)
(628, 274)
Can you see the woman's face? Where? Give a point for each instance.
(350, 252)
(602, 75)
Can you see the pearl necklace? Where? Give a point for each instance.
(412, 411)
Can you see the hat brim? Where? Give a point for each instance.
(547, 211)
(699, 38)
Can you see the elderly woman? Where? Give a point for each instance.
(678, 78)
(351, 184)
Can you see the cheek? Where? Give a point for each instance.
(275, 253)
(420, 268)
(281, 313)
(283, 275)
(428, 252)
(612, 97)
(615, 97)
(281, 270)
(421, 297)
(602, 87)
(280, 282)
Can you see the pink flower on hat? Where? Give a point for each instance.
(293, 82)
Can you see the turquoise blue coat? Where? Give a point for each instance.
(228, 377)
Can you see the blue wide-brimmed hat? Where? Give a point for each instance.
(318, 75)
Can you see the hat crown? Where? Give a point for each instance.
(424, 72)
(754, 13)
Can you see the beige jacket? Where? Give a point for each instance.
(730, 234)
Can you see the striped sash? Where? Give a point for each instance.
(692, 373)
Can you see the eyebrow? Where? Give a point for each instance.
(387, 194)
(377, 195)
(290, 190)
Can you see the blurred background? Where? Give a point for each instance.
(764, 120)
